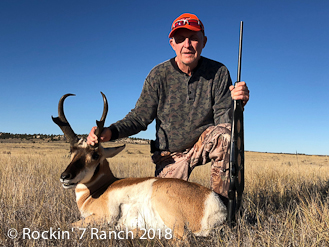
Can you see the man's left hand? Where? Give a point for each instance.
(240, 92)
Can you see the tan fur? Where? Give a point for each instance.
(178, 205)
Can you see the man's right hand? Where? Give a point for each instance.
(105, 136)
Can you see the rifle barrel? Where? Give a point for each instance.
(240, 52)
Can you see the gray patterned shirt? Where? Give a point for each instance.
(182, 105)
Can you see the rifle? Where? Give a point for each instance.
(237, 151)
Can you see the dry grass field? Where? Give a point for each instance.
(285, 201)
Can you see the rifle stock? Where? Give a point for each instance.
(237, 151)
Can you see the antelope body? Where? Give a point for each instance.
(132, 203)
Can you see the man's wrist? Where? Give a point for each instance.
(114, 131)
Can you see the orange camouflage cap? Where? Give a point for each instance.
(188, 21)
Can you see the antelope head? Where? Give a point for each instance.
(86, 160)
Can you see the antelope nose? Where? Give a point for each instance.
(66, 176)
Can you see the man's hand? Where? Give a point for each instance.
(240, 92)
(105, 136)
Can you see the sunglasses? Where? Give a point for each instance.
(191, 22)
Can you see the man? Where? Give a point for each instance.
(190, 97)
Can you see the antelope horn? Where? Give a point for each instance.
(100, 123)
(62, 122)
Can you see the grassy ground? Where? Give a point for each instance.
(285, 201)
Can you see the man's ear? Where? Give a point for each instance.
(171, 42)
(204, 41)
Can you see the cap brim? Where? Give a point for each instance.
(196, 29)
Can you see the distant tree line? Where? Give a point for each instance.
(25, 136)
(52, 137)
(137, 139)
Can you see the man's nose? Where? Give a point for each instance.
(187, 42)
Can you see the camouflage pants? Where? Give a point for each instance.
(214, 145)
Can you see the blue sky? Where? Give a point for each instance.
(49, 48)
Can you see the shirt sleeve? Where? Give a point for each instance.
(222, 107)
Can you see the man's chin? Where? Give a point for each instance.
(189, 58)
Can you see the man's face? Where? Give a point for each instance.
(188, 46)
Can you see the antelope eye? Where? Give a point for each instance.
(95, 156)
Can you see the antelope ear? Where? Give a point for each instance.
(110, 152)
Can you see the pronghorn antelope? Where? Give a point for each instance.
(131, 203)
